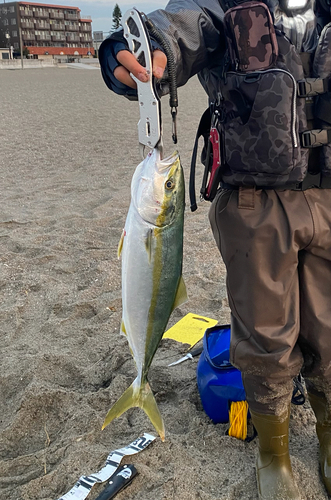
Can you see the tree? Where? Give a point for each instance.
(117, 16)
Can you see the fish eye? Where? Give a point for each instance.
(169, 184)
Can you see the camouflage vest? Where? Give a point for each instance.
(273, 106)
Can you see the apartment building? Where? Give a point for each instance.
(45, 30)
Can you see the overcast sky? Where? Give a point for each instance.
(101, 10)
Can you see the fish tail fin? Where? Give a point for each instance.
(124, 403)
(142, 397)
(149, 405)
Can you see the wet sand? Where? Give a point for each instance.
(68, 149)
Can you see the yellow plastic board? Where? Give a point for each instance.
(190, 329)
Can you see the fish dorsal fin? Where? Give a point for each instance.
(181, 295)
(148, 244)
(120, 244)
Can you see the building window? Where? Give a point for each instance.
(5, 22)
(15, 45)
(12, 9)
(13, 21)
(14, 34)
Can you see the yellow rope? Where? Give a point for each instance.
(238, 419)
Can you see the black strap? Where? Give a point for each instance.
(298, 394)
(323, 108)
(253, 436)
(310, 181)
(295, 186)
(307, 62)
(310, 109)
(203, 129)
(314, 181)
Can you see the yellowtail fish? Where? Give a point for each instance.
(151, 248)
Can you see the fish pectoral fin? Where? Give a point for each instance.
(148, 244)
(141, 396)
(123, 329)
(120, 244)
(181, 295)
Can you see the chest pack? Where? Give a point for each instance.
(269, 122)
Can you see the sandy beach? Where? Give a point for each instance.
(68, 149)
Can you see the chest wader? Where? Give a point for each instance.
(321, 408)
(269, 128)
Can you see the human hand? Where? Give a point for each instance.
(129, 64)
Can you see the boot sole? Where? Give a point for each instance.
(258, 487)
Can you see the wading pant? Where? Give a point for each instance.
(276, 246)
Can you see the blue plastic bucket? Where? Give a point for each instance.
(219, 382)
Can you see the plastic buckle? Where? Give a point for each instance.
(311, 181)
(311, 87)
(314, 138)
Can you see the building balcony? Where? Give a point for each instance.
(57, 27)
(44, 38)
(26, 13)
(73, 38)
(83, 28)
(86, 40)
(41, 14)
(29, 38)
(58, 38)
(71, 17)
(72, 27)
(42, 25)
(27, 24)
(56, 15)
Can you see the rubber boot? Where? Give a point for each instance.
(322, 412)
(275, 479)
